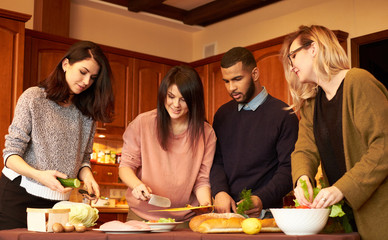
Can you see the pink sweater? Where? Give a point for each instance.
(176, 173)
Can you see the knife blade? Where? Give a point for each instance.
(181, 209)
(159, 201)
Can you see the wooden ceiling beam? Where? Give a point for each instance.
(222, 9)
(123, 3)
(204, 15)
(169, 12)
(143, 5)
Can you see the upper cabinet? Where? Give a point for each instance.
(136, 76)
(271, 72)
(267, 55)
(203, 74)
(218, 95)
(135, 83)
(11, 66)
(122, 70)
(41, 57)
(148, 77)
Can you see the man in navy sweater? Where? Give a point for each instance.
(255, 138)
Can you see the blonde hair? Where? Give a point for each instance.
(330, 60)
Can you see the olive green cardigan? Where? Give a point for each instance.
(365, 138)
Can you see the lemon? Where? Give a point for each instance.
(251, 225)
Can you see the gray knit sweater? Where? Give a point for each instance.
(48, 137)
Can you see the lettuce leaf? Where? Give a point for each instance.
(335, 210)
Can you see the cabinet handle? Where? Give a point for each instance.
(109, 173)
(94, 172)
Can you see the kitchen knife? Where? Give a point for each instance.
(182, 209)
(159, 201)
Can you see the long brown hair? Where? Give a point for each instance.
(190, 86)
(96, 102)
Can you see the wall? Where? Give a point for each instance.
(129, 33)
(357, 17)
(22, 6)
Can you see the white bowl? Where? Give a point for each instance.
(299, 221)
(163, 227)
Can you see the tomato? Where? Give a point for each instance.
(301, 206)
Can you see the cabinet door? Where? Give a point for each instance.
(203, 72)
(107, 217)
(44, 56)
(11, 71)
(104, 173)
(218, 95)
(271, 72)
(148, 76)
(122, 80)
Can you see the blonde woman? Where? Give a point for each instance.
(344, 119)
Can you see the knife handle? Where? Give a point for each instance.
(143, 193)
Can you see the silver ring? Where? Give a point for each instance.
(324, 199)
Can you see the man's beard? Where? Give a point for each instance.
(248, 95)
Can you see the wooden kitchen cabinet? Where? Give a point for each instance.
(203, 72)
(11, 66)
(135, 78)
(41, 57)
(105, 173)
(272, 73)
(122, 70)
(218, 95)
(110, 216)
(267, 55)
(148, 77)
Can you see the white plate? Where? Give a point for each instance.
(117, 231)
(163, 227)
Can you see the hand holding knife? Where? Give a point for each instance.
(143, 192)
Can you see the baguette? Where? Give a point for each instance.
(269, 225)
(227, 223)
(217, 223)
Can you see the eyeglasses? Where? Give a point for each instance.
(295, 51)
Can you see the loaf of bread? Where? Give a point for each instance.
(227, 223)
(217, 223)
(269, 225)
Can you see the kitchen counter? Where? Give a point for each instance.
(186, 234)
(112, 209)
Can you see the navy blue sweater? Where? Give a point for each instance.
(254, 151)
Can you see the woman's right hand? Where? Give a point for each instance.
(299, 193)
(49, 179)
(142, 192)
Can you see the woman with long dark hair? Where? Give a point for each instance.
(169, 151)
(52, 133)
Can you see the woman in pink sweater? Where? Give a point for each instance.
(169, 151)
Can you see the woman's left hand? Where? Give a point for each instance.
(90, 183)
(327, 197)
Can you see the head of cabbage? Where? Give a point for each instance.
(79, 213)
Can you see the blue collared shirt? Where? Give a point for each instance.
(255, 102)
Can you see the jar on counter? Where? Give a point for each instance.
(100, 157)
(107, 156)
(118, 157)
(112, 157)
